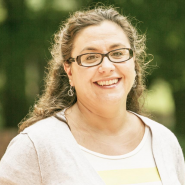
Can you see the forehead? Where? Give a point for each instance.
(100, 37)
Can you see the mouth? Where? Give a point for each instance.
(108, 82)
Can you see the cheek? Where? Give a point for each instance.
(128, 70)
(81, 76)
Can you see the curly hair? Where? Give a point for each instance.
(55, 97)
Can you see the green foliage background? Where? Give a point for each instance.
(26, 29)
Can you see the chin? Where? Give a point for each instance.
(112, 98)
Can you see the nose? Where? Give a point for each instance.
(106, 66)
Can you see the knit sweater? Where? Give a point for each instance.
(46, 153)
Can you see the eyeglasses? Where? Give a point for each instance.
(94, 59)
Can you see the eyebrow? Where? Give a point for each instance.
(111, 47)
(117, 45)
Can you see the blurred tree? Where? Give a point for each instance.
(166, 23)
(25, 35)
(13, 51)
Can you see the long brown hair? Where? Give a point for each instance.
(55, 97)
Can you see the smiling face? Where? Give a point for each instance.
(106, 83)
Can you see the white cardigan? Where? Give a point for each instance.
(46, 153)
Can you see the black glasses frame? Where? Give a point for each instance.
(78, 58)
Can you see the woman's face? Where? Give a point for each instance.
(101, 39)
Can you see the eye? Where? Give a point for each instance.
(117, 53)
(90, 57)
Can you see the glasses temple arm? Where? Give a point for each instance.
(71, 60)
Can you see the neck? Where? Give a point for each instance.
(104, 119)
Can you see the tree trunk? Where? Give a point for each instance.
(179, 98)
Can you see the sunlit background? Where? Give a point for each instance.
(26, 30)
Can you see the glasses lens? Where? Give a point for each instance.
(90, 59)
(119, 55)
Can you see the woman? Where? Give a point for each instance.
(86, 127)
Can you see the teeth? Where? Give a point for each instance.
(108, 82)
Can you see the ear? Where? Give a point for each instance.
(68, 71)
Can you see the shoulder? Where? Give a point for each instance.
(157, 129)
(21, 144)
(43, 132)
(161, 135)
(21, 159)
(166, 143)
(47, 127)
(49, 133)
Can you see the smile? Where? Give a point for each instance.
(107, 82)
